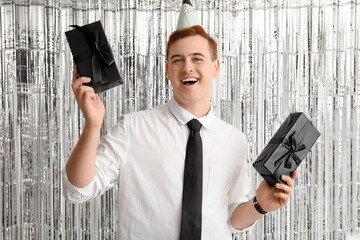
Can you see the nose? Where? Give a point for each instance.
(187, 67)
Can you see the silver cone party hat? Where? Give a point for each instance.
(187, 16)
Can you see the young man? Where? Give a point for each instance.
(145, 152)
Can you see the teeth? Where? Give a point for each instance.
(189, 80)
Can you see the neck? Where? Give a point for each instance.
(196, 109)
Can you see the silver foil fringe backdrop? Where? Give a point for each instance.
(277, 57)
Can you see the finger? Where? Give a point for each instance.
(75, 73)
(86, 88)
(294, 175)
(282, 196)
(79, 82)
(88, 94)
(79, 93)
(289, 181)
(83, 89)
(283, 187)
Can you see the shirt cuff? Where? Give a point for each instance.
(75, 194)
(232, 208)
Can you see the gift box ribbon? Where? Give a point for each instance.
(292, 147)
(100, 54)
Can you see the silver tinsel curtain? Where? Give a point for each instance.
(277, 56)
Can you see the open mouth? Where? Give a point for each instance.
(189, 81)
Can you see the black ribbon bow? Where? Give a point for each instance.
(292, 146)
(100, 53)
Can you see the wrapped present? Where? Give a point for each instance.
(286, 150)
(93, 56)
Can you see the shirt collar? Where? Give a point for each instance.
(183, 116)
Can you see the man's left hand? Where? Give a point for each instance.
(272, 198)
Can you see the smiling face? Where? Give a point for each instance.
(190, 70)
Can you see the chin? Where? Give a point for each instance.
(193, 100)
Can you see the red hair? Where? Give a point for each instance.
(193, 31)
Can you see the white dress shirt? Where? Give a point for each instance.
(145, 154)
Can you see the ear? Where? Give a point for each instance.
(216, 67)
(167, 70)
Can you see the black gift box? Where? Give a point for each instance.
(93, 56)
(288, 147)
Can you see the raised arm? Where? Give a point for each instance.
(80, 167)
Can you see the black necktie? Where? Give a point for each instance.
(192, 190)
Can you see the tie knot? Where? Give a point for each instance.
(194, 124)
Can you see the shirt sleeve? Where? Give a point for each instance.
(110, 156)
(240, 186)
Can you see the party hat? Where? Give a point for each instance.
(187, 16)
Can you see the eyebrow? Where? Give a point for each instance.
(192, 54)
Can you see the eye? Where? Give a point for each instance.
(176, 60)
(197, 59)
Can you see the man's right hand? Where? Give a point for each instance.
(89, 102)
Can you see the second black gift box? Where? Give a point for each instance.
(288, 147)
